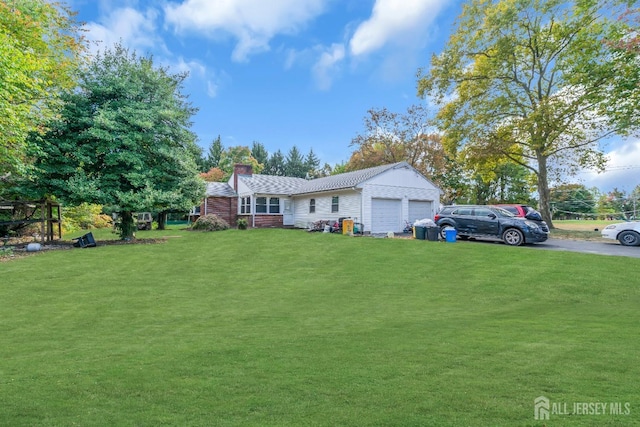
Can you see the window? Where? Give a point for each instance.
(312, 206)
(274, 205)
(245, 205)
(261, 205)
(267, 205)
(335, 205)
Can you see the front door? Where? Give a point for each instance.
(287, 213)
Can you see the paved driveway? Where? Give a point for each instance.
(591, 247)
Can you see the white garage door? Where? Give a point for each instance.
(419, 210)
(386, 215)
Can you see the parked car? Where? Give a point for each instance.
(627, 233)
(491, 222)
(523, 211)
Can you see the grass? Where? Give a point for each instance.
(284, 327)
(580, 229)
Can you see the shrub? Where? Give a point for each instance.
(242, 223)
(210, 222)
(83, 217)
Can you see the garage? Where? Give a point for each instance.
(386, 215)
(419, 209)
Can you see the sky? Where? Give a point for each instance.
(298, 72)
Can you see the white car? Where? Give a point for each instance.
(627, 233)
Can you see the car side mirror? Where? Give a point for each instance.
(492, 216)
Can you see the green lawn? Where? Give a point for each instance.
(285, 327)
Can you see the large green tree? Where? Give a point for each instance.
(535, 82)
(294, 164)
(40, 50)
(122, 140)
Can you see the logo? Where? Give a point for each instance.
(541, 408)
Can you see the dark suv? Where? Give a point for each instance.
(492, 222)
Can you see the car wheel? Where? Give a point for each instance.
(629, 238)
(513, 237)
(443, 235)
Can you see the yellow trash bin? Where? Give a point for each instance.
(347, 226)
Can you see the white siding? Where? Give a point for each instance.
(349, 206)
(403, 184)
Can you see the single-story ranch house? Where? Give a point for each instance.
(382, 198)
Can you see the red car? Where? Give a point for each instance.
(522, 211)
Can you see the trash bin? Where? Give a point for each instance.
(420, 232)
(450, 234)
(432, 233)
(347, 226)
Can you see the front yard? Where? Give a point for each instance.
(284, 327)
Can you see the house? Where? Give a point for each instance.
(382, 198)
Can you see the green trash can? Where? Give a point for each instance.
(421, 232)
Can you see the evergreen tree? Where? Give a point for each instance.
(294, 164)
(259, 153)
(311, 164)
(275, 164)
(214, 155)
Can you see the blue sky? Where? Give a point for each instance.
(296, 72)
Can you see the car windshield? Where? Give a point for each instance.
(503, 212)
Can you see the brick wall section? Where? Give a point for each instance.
(264, 221)
(225, 207)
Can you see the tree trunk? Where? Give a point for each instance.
(543, 190)
(127, 226)
(162, 220)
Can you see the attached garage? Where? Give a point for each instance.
(419, 209)
(386, 215)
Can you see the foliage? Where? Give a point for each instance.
(276, 164)
(237, 155)
(40, 50)
(572, 200)
(391, 137)
(259, 152)
(338, 331)
(84, 216)
(242, 223)
(525, 80)
(214, 155)
(294, 164)
(214, 175)
(311, 164)
(210, 222)
(122, 140)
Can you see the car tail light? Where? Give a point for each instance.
(436, 218)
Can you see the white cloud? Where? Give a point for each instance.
(135, 29)
(395, 22)
(327, 65)
(253, 23)
(622, 170)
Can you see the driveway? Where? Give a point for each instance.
(591, 247)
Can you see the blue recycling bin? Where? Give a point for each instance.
(450, 234)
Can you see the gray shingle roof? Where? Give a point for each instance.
(343, 180)
(268, 184)
(219, 189)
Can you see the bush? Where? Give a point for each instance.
(84, 217)
(210, 222)
(242, 224)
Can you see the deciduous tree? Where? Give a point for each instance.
(40, 50)
(532, 81)
(122, 140)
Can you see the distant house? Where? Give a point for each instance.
(382, 198)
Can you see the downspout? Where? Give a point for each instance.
(253, 211)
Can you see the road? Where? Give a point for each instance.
(591, 247)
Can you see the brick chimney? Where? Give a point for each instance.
(240, 169)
